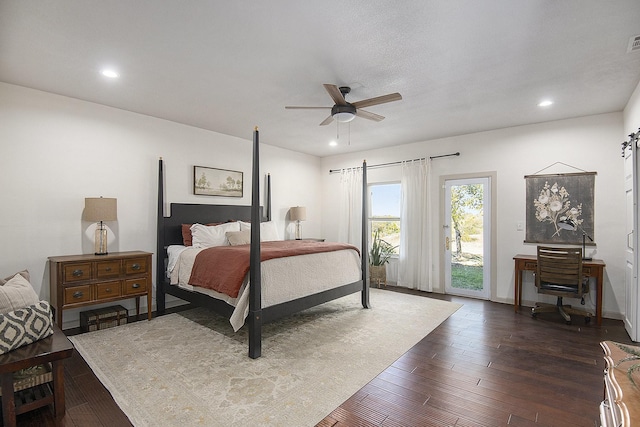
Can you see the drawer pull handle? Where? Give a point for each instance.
(78, 294)
(135, 266)
(108, 290)
(107, 269)
(135, 285)
(77, 273)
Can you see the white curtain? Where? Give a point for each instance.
(350, 221)
(414, 266)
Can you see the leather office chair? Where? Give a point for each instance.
(559, 273)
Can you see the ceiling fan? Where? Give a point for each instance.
(344, 111)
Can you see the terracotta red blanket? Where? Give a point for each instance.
(223, 268)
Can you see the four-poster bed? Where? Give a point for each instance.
(170, 233)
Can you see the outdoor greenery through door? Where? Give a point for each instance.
(466, 231)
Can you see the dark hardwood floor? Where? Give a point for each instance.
(484, 366)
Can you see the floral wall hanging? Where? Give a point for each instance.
(554, 199)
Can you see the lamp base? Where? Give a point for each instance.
(298, 231)
(586, 258)
(101, 241)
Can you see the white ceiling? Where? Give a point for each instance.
(461, 66)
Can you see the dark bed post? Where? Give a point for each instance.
(160, 296)
(365, 244)
(268, 197)
(255, 292)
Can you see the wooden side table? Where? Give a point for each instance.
(53, 349)
(84, 280)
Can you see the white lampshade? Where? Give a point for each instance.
(98, 209)
(298, 213)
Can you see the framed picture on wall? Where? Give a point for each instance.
(560, 208)
(217, 182)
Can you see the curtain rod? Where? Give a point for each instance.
(400, 162)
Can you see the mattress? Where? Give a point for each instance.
(283, 279)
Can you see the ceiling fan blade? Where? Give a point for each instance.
(326, 121)
(335, 94)
(306, 108)
(377, 100)
(369, 115)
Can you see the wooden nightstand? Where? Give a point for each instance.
(82, 280)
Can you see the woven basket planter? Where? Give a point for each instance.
(378, 275)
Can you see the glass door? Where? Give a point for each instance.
(467, 237)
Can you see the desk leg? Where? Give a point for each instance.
(518, 287)
(138, 308)
(8, 400)
(58, 388)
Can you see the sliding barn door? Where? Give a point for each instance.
(632, 304)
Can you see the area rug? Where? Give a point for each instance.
(190, 369)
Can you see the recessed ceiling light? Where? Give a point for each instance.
(110, 73)
(333, 143)
(545, 103)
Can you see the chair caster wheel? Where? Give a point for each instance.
(568, 322)
(534, 315)
(587, 320)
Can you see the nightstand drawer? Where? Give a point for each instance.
(77, 294)
(77, 272)
(135, 286)
(108, 290)
(135, 266)
(108, 269)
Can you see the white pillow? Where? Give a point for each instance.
(17, 293)
(206, 236)
(237, 238)
(268, 230)
(173, 253)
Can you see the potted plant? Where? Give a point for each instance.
(379, 255)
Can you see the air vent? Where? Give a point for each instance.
(634, 44)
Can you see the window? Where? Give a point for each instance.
(384, 211)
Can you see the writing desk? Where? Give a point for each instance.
(591, 268)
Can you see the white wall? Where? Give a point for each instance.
(55, 151)
(632, 113)
(588, 143)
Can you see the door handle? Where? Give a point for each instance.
(447, 241)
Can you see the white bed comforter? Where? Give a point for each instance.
(283, 279)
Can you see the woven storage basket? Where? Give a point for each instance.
(31, 377)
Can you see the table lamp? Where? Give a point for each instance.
(297, 214)
(100, 209)
(569, 224)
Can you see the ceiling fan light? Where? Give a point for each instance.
(344, 117)
(343, 113)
